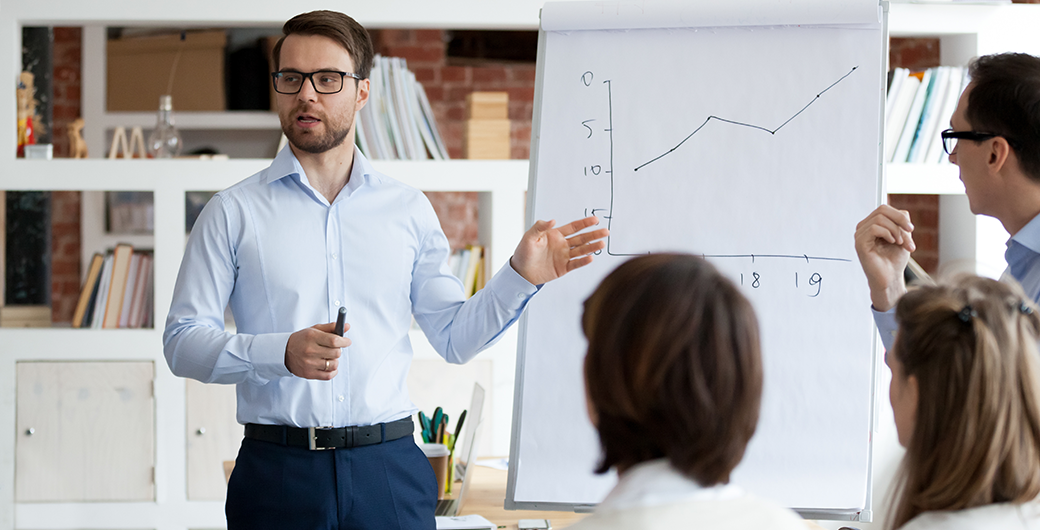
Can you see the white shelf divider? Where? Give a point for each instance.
(928, 179)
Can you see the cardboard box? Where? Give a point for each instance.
(488, 105)
(139, 70)
(486, 140)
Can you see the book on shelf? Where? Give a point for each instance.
(389, 109)
(430, 122)
(25, 316)
(359, 135)
(481, 274)
(405, 119)
(89, 289)
(372, 119)
(918, 107)
(97, 312)
(935, 153)
(469, 284)
(143, 284)
(926, 128)
(898, 109)
(467, 264)
(128, 290)
(121, 258)
(117, 291)
(398, 121)
(913, 118)
(896, 77)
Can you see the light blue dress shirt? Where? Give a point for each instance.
(285, 259)
(1023, 259)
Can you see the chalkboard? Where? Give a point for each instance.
(747, 132)
(27, 252)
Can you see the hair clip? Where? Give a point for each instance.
(1025, 309)
(967, 313)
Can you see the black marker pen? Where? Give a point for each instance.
(340, 321)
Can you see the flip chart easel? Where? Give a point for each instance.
(748, 132)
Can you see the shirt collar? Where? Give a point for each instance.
(1029, 235)
(285, 164)
(656, 482)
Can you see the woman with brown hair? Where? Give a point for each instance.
(674, 380)
(965, 393)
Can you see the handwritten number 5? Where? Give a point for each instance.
(584, 124)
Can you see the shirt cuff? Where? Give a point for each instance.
(510, 288)
(267, 354)
(887, 326)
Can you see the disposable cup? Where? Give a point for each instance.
(438, 455)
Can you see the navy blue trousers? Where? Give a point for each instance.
(386, 486)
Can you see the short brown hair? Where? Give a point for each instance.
(336, 26)
(1005, 100)
(972, 346)
(674, 368)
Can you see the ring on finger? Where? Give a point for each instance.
(326, 365)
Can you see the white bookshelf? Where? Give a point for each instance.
(501, 186)
(230, 120)
(928, 179)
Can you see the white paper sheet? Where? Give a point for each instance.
(757, 147)
(464, 522)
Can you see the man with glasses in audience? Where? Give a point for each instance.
(328, 430)
(994, 138)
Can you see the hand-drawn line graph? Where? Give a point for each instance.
(759, 127)
(587, 78)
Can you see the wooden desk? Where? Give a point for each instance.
(487, 495)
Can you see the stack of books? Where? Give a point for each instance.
(468, 265)
(918, 107)
(398, 122)
(117, 292)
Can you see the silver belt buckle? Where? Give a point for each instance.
(312, 438)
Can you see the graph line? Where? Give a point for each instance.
(759, 127)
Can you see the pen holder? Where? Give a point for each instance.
(438, 455)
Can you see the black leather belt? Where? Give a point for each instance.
(320, 438)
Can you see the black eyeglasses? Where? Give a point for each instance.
(950, 137)
(323, 81)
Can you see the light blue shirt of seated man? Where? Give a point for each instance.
(285, 259)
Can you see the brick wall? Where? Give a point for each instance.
(446, 86)
(65, 254)
(68, 50)
(924, 213)
(65, 205)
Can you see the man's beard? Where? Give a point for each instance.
(311, 142)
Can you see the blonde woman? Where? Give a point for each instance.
(966, 396)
